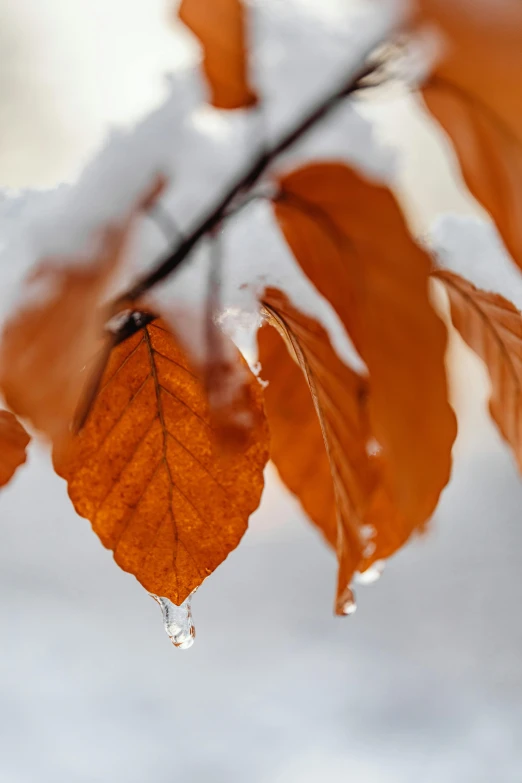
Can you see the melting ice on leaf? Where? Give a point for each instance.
(177, 621)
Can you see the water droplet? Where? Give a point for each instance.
(368, 533)
(373, 447)
(346, 603)
(177, 621)
(372, 574)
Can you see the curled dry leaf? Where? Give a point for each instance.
(50, 339)
(220, 26)
(13, 443)
(316, 409)
(350, 238)
(146, 472)
(492, 327)
(475, 95)
(320, 453)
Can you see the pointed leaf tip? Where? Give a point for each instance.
(320, 437)
(220, 25)
(146, 471)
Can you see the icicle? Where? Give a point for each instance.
(372, 574)
(346, 603)
(177, 621)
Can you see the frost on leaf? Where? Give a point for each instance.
(13, 443)
(492, 327)
(475, 95)
(146, 470)
(317, 411)
(350, 238)
(220, 26)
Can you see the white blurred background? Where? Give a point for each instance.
(422, 685)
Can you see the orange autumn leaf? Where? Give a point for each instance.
(319, 435)
(475, 94)
(53, 335)
(492, 327)
(296, 440)
(351, 240)
(391, 529)
(13, 443)
(145, 470)
(220, 26)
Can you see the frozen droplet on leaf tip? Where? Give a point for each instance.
(346, 604)
(185, 643)
(367, 532)
(373, 447)
(177, 621)
(372, 574)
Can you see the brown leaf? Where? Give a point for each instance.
(145, 472)
(475, 95)
(392, 529)
(296, 441)
(53, 335)
(220, 26)
(316, 409)
(13, 443)
(492, 327)
(351, 240)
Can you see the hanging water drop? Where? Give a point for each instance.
(177, 621)
(346, 604)
(372, 574)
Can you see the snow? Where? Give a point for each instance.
(473, 248)
(302, 49)
(255, 256)
(200, 151)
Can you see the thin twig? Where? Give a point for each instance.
(165, 222)
(245, 181)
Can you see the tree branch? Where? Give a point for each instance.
(243, 184)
